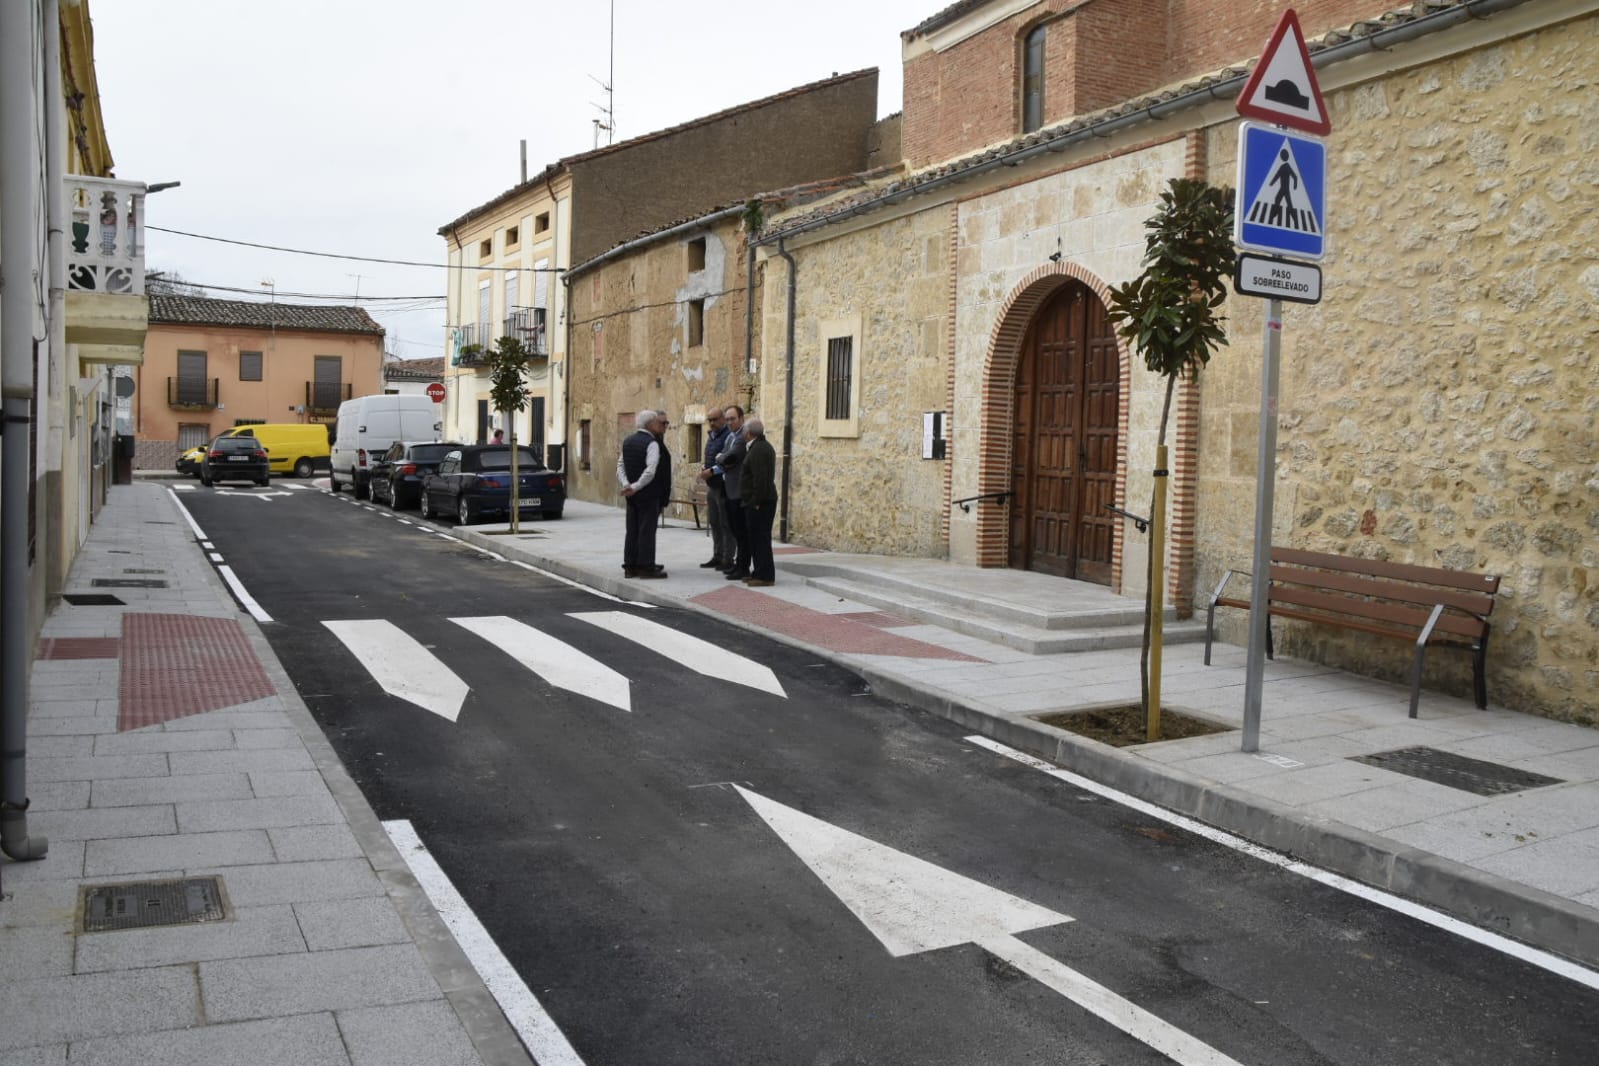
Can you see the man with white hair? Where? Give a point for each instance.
(644, 470)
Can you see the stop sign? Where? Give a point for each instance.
(436, 391)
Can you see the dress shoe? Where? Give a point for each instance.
(737, 575)
(758, 583)
(714, 564)
(630, 571)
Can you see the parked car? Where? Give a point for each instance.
(396, 479)
(189, 462)
(367, 426)
(235, 458)
(475, 480)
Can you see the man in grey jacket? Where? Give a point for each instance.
(727, 466)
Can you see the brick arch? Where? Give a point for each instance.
(999, 387)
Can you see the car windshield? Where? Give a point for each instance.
(500, 459)
(236, 444)
(431, 453)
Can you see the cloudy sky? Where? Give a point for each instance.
(362, 126)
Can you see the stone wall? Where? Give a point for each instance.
(1441, 405)
(872, 492)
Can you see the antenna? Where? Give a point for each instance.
(608, 109)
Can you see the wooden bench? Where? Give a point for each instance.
(696, 500)
(1426, 604)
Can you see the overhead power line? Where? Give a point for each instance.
(310, 295)
(357, 258)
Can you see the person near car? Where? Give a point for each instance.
(499, 437)
(727, 466)
(757, 479)
(724, 549)
(644, 470)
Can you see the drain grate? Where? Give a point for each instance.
(141, 904)
(1457, 771)
(91, 599)
(129, 582)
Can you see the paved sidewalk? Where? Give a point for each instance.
(165, 741)
(1523, 863)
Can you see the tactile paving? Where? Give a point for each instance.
(836, 632)
(175, 665)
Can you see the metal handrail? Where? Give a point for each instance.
(1138, 520)
(997, 497)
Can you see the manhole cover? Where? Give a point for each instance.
(128, 582)
(147, 903)
(1457, 771)
(91, 599)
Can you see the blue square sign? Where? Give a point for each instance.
(1282, 192)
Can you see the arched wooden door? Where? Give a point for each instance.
(1063, 469)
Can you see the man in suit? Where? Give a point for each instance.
(727, 465)
(644, 470)
(723, 547)
(758, 499)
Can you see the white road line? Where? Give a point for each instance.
(244, 597)
(1542, 959)
(576, 584)
(698, 655)
(522, 1008)
(199, 534)
(216, 557)
(402, 666)
(554, 660)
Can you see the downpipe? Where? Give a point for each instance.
(20, 39)
(788, 391)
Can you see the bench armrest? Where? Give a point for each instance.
(1222, 584)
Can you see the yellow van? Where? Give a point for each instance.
(294, 448)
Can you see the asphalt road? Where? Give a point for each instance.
(660, 917)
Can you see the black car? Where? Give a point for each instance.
(235, 459)
(396, 479)
(475, 480)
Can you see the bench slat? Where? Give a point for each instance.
(1474, 602)
(1336, 608)
(1432, 575)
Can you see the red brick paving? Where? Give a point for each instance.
(175, 665)
(835, 632)
(79, 647)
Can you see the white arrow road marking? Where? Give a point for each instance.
(554, 660)
(402, 666)
(913, 906)
(698, 655)
(251, 495)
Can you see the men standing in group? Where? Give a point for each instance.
(644, 470)
(723, 547)
(758, 500)
(727, 464)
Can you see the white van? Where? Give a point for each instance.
(368, 425)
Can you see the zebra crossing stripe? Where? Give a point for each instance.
(556, 661)
(403, 667)
(698, 655)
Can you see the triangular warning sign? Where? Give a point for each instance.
(1282, 201)
(1283, 87)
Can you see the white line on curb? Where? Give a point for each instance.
(522, 1008)
(244, 597)
(1542, 959)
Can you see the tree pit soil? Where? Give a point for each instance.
(1123, 727)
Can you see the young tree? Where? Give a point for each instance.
(508, 370)
(1169, 313)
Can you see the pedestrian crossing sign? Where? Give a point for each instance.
(1282, 192)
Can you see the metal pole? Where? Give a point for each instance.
(1265, 495)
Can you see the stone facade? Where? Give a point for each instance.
(1441, 405)
(635, 345)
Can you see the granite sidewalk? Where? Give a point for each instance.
(165, 741)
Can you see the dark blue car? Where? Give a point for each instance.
(475, 480)
(396, 479)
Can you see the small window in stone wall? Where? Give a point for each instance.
(541, 222)
(513, 236)
(693, 446)
(249, 366)
(696, 254)
(485, 248)
(696, 323)
(838, 380)
(585, 441)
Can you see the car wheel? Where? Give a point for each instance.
(550, 515)
(264, 482)
(205, 481)
(333, 483)
(465, 511)
(427, 506)
(362, 490)
(303, 468)
(394, 498)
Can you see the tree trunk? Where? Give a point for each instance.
(1151, 573)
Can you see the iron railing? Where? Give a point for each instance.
(322, 397)
(192, 393)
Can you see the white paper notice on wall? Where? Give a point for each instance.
(935, 434)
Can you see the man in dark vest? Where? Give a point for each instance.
(758, 496)
(644, 470)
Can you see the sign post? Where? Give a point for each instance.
(1281, 209)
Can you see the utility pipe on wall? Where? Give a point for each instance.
(788, 391)
(20, 56)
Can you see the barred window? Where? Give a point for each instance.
(840, 375)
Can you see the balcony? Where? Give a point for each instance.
(107, 313)
(463, 337)
(192, 394)
(324, 397)
(526, 324)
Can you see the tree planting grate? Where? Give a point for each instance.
(128, 583)
(91, 599)
(1457, 771)
(141, 904)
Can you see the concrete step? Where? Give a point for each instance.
(1082, 629)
